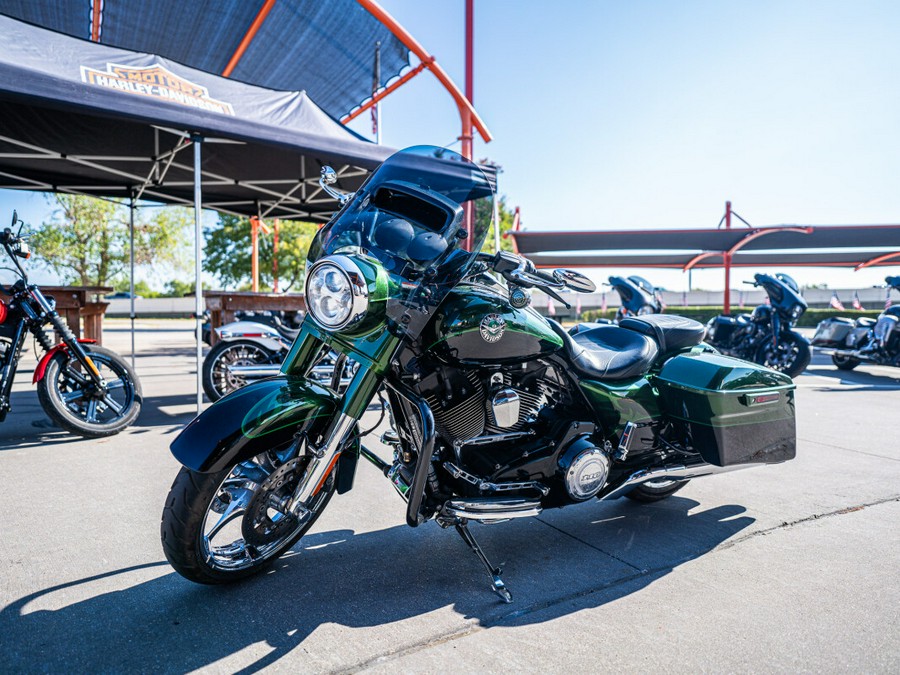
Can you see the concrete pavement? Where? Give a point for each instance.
(785, 568)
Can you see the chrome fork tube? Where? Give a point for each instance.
(323, 458)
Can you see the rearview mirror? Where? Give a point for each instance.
(15, 218)
(329, 177)
(575, 280)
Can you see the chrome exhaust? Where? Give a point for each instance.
(487, 509)
(676, 473)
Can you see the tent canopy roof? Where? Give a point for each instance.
(324, 48)
(82, 117)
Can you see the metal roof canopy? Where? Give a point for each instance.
(856, 246)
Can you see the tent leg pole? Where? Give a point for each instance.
(198, 266)
(131, 284)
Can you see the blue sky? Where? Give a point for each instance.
(634, 114)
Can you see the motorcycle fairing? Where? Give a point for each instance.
(255, 418)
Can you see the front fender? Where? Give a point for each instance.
(45, 359)
(258, 417)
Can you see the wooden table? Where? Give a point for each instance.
(75, 303)
(223, 304)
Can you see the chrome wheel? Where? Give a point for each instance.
(245, 523)
(218, 378)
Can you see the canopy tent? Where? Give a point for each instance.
(90, 119)
(258, 42)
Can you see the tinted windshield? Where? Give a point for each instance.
(424, 215)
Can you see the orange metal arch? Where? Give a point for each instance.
(877, 261)
(466, 110)
(762, 232)
(248, 37)
(699, 258)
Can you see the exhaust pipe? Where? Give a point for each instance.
(487, 509)
(675, 473)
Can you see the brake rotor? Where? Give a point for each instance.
(264, 523)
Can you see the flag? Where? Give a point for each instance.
(603, 303)
(741, 299)
(578, 306)
(887, 299)
(551, 308)
(659, 299)
(836, 302)
(856, 303)
(684, 298)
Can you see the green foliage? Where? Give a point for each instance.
(87, 240)
(506, 222)
(176, 288)
(810, 318)
(228, 253)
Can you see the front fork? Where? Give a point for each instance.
(374, 356)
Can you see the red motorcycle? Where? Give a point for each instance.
(84, 388)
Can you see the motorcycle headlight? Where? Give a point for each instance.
(336, 292)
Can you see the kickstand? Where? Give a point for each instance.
(497, 584)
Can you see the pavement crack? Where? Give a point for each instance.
(472, 628)
(590, 545)
(841, 447)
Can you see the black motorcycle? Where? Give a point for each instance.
(766, 335)
(495, 412)
(864, 340)
(83, 388)
(638, 296)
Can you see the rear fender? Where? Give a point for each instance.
(255, 418)
(45, 359)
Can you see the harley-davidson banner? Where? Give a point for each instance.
(155, 82)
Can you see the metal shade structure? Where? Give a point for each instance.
(856, 246)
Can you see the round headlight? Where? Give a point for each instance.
(336, 292)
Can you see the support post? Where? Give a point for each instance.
(254, 254)
(497, 216)
(198, 267)
(276, 224)
(726, 308)
(131, 272)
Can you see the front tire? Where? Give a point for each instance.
(791, 356)
(209, 517)
(72, 401)
(844, 362)
(217, 380)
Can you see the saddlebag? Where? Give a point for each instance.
(731, 411)
(832, 332)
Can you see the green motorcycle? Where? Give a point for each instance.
(495, 412)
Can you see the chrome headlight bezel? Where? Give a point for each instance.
(359, 291)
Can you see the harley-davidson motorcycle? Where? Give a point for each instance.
(495, 412)
(638, 296)
(83, 387)
(250, 349)
(864, 340)
(766, 336)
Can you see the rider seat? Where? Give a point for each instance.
(670, 332)
(608, 352)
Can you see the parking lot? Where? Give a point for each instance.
(788, 568)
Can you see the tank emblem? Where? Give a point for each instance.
(492, 327)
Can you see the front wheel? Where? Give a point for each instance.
(791, 355)
(72, 400)
(221, 527)
(218, 378)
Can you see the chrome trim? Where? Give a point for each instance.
(358, 287)
(488, 486)
(674, 473)
(489, 509)
(319, 462)
(495, 438)
(505, 407)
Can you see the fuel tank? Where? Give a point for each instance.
(476, 325)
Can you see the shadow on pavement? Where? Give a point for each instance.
(358, 580)
(858, 379)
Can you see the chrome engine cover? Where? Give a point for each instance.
(505, 406)
(586, 474)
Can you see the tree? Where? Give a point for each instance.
(228, 253)
(506, 222)
(87, 240)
